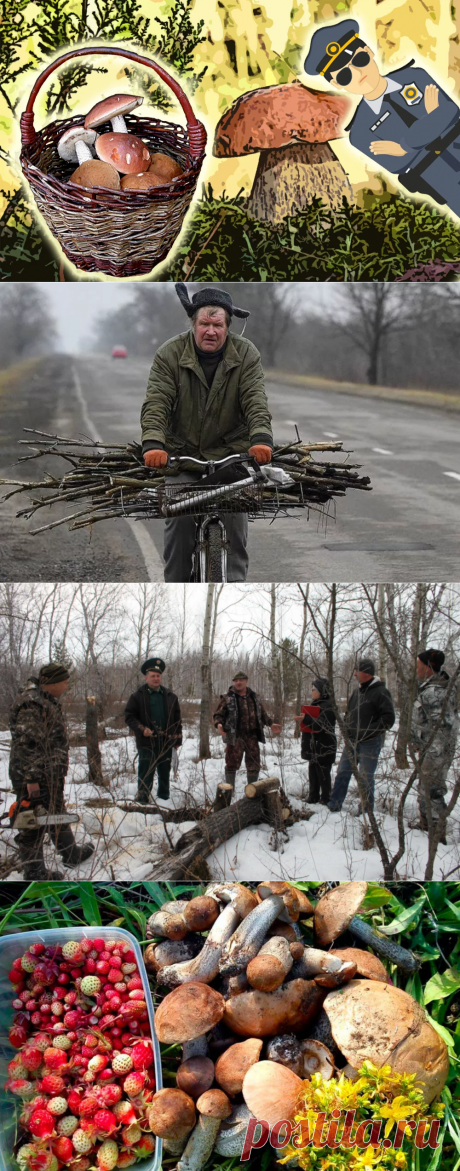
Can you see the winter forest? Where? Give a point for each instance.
(283, 637)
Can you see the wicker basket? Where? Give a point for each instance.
(121, 233)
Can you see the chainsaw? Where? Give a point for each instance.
(30, 814)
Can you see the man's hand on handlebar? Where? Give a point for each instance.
(155, 458)
(261, 453)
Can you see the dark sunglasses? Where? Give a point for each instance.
(344, 76)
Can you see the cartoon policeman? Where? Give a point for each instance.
(404, 119)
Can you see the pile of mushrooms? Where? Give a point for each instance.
(122, 160)
(256, 1010)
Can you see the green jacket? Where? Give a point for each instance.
(182, 414)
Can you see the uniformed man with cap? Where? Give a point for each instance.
(404, 119)
(434, 719)
(38, 766)
(153, 714)
(241, 718)
(370, 713)
(206, 398)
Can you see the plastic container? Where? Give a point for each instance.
(15, 945)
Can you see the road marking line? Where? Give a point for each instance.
(455, 475)
(382, 451)
(150, 556)
(331, 434)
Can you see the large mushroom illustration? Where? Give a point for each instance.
(292, 126)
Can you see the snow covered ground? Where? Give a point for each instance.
(329, 845)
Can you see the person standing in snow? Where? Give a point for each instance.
(153, 714)
(241, 718)
(370, 713)
(435, 719)
(319, 742)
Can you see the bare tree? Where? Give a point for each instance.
(205, 675)
(371, 315)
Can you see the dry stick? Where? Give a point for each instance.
(200, 253)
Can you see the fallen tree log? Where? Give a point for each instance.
(266, 785)
(195, 845)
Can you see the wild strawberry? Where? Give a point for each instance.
(61, 1042)
(134, 982)
(17, 1036)
(136, 994)
(16, 1067)
(36, 1158)
(97, 1063)
(128, 969)
(51, 1083)
(145, 1146)
(54, 1058)
(28, 962)
(122, 1063)
(109, 1095)
(41, 1124)
(102, 967)
(105, 1122)
(62, 1148)
(86, 945)
(107, 1155)
(124, 1112)
(57, 1105)
(67, 1126)
(57, 1008)
(79, 1163)
(15, 976)
(90, 966)
(131, 1134)
(81, 1142)
(90, 1041)
(134, 1083)
(88, 1106)
(90, 985)
(21, 1087)
(72, 1018)
(132, 1009)
(113, 976)
(142, 1055)
(106, 1075)
(74, 1099)
(36, 949)
(126, 1159)
(73, 951)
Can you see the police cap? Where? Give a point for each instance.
(153, 665)
(332, 46)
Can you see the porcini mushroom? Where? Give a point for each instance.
(271, 965)
(93, 173)
(205, 966)
(126, 152)
(336, 912)
(188, 1012)
(249, 936)
(327, 968)
(165, 166)
(74, 144)
(232, 1133)
(243, 899)
(288, 894)
(171, 1116)
(213, 1107)
(264, 1014)
(143, 182)
(195, 1075)
(232, 1065)
(424, 1053)
(111, 110)
(168, 921)
(291, 125)
(369, 1019)
(367, 964)
(269, 1097)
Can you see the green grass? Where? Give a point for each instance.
(424, 917)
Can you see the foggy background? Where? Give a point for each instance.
(374, 333)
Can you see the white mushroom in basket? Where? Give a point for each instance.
(111, 110)
(74, 144)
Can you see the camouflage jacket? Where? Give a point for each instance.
(427, 712)
(237, 719)
(39, 739)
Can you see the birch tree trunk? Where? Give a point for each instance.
(382, 648)
(276, 664)
(405, 714)
(205, 675)
(298, 698)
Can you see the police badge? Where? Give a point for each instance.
(411, 94)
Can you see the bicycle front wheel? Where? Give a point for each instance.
(215, 553)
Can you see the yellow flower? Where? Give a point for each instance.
(400, 1160)
(367, 1158)
(397, 1110)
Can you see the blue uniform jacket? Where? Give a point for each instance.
(366, 126)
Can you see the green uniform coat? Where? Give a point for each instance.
(187, 417)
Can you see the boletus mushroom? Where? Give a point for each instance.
(264, 1014)
(205, 966)
(172, 951)
(367, 964)
(111, 110)
(291, 125)
(232, 1133)
(74, 144)
(165, 167)
(270, 1097)
(213, 1107)
(271, 965)
(188, 1012)
(233, 1064)
(93, 173)
(337, 911)
(126, 152)
(171, 1116)
(195, 1076)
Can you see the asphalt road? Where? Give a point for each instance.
(406, 529)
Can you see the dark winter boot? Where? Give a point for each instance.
(33, 865)
(230, 778)
(75, 855)
(252, 778)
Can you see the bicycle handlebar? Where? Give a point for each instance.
(205, 463)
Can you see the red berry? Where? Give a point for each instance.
(110, 1094)
(142, 1055)
(98, 944)
(31, 1058)
(74, 1099)
(54, 1058)
(88, 1106)
(36, 949)
(41, 1123)
(105, 1121)
(63, 1149)
(17, 1036)
(102, 967)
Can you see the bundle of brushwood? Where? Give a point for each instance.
(111, 480)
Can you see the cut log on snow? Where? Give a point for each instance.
(256, 788)
(223, 796)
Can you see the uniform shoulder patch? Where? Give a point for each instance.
(411, 94)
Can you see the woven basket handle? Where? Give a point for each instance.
(196, 131)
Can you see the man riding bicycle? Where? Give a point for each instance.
(206, 399)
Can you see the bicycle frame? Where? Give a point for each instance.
(210, 497)
(200, 561)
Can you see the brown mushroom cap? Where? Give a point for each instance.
(278, 115)
(232, 1066)
(316, 1058)
(286, 892)
(369, 1019)
(143, 182)
(126, 152)
(271, 1093)
(335, 910)
(201, 913)
(187, 1012)
(367, 964)
(108, 108)
(214, 1104)
(195, 1076)
(425, 1054)
(166, 166)
(93, 173)
(171, 1114)
(285, 930)
(264, 1014)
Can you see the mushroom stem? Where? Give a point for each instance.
(271, 965)
(83, 152)
(119, 124)
(205, 966)
(327, 969)
(169, 921)
(249, 936)
(230, 1140)
(391, 951)
(200, 1144)
(242, 898)
(198, 1047)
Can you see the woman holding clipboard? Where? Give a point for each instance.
(319, 741)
